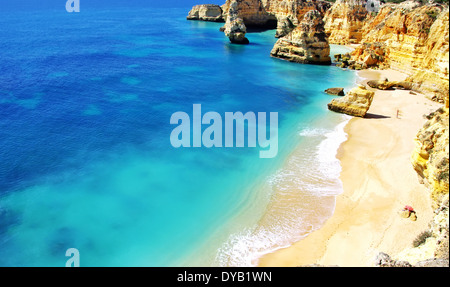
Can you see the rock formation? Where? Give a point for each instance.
(431, 155)
(356, 103)
(388, 85)
(267, 13)
(306, 44)
(344, 20)
(371, 55)
(235, 28)
(207, 12)
(409, 38)
(432, 74)
(335, 91)
(252, 12)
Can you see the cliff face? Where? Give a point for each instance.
(252, 12)
(235, 28)
(432, 75)
(417, 44)
(406, 37)
(344, 20)
(284, 15)
(431, 156)
(306, 44)
(430, 159)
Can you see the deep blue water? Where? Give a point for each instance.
(85, 154)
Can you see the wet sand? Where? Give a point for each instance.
(378, 181)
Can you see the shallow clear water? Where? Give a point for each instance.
(85, 154)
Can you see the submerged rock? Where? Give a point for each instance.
(307, 44)
(356, 103)
(206, 12)
(235, 28)
(335, 91)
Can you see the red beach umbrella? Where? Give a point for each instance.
(407, 207)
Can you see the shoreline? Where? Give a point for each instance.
(365, 220)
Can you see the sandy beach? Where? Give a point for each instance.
(378, 181)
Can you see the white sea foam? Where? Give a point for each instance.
(329, 165)
(317, 177)
(312, 132)
(243, 249)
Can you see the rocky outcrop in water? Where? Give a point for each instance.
(235, 28)
(206, 12)
(335, 91)
(252, 12)
(284, 15)
(306, 44)
(355, 103)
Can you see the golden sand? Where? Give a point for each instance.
(378, 181)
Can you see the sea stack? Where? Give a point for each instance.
(235, 28)
(206, 12)
(306, 44)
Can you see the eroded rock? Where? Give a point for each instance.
(307, 44)
(355, 103)
(206, 12)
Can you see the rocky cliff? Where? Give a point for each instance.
(284, 15)
(344, 20)
(408, 37)
(416, 41)
(431, 155)
(306, 44)
(432, 74)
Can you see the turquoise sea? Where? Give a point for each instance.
(85, 154)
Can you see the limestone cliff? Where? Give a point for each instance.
(344, 20)
(431, 155)
(409, 38)
(284, 15)
(430, 159)
(432, 75)
(306, 44)
(207, 12)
